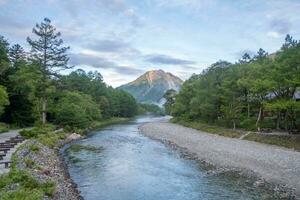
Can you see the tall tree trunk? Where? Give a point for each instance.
(234, 126)
(278, 121)
(248, 110)
(286, 120)
(259, 118)
(44, 111)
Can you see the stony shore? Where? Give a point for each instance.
(43, 167)
(46, 165)
(273, 164)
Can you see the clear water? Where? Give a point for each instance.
(134, 167)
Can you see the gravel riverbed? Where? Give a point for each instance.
(273, 164)
(47, 165)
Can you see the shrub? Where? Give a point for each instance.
(248, 124)
(3, 127)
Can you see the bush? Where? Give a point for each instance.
(248, 124)
(3, 127)
(268, 123)
(28, 187)
(39, 130)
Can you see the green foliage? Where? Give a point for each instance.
(76, 110)
(107, 122)
(292, 142)
(170, 100)
(248, 123)
(255, 92)
(150, 108)
(44, 134)
(3, 127)
(3, 99)
(34, 148)
(208, 128)
(38, 92)
(38, 130)
(28, 187)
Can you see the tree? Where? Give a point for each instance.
(50, 56)
(170, 100)
(245, 58)
(3, 99)
(17, 56)
(4, 60)
(261, 54)
(249, 94)
(76, 110)
(289, 42)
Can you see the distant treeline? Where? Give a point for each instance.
(33, 89)
(259, 92)
(145, 108)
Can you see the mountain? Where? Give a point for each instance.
(151, 86)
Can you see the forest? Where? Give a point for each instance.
(259, 92)
(34, 91)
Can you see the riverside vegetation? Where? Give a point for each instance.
(259, 93)
(34, 92)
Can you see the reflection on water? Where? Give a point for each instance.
(131, 166)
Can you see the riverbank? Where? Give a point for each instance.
(284, 139)
(274, 164)
(42, 170)
(38, 172)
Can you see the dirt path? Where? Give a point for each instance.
(274, 164)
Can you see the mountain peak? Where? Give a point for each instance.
(151, 86)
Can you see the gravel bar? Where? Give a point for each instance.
(274, 164)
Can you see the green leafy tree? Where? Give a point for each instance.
(4, 60)
(76, 110)
(170, 100)
(3, 99)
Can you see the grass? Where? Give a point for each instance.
(45, 135)
(208, 128)
(289, 141)
(25, 186)
(19, 184)
(3, 127)
(292, 142)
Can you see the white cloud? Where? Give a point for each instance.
(2, 2)
(274, 34)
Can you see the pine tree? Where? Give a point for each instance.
(47, 51)
(17, 55)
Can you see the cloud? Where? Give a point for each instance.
(112, 46)
(190, 4)
(102, 63)
(167, 60)
(279, 27)
(273, 34)
(108, 45)
(3, 2)
(117, 7)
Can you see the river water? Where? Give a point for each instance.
(129, 166)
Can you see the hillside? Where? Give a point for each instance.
(151, 86)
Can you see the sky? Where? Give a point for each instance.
(123, 39)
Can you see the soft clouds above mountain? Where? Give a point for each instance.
(124, 38)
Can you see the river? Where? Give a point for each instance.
(125, 165)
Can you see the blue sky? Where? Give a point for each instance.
(122, 39)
